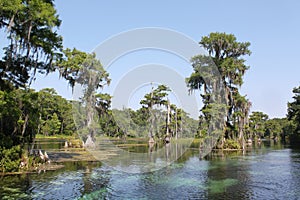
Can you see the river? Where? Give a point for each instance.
(268, 171)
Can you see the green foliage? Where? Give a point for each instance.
(10, 158)
(275, 128)
(157, 97)
(32, 46)
(261, 126)
(257, 124)
(223, 66)
(293, 126)
(135, 123)
(31, 28)
(55, 113)
(24, 113)
(226, 51)
(75, 143)
(85, 70)
(231, 144)
(51, 126)
(294, 112)
(18, 117)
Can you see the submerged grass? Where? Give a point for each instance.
(220, 186)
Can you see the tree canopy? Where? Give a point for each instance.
(226, 55)
(33, 43)
(294, 112)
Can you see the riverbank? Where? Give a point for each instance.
(58, 158)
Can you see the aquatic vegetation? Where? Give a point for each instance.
(99, 194)
(219, 186)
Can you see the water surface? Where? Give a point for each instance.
(268, 171)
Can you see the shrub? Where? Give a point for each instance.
(75, 143)
(231, 144)
(10, 159)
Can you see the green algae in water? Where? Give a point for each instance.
(175, 166)
(20, 196)
(183, 182)
(174, 181)
(14, 193)
(99, 194)
(219, 186)
(7, 189)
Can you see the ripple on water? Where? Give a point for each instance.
(271, 175)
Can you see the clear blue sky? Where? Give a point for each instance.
(272, 27)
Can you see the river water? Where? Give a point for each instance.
(268, 171)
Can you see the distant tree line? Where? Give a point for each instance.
(285, 129)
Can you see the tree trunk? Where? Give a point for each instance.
(168, 119)
(62, 126)
(151, 119)
(176, 126)
(11, 22)
(25, 124)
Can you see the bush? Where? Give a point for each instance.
(10, 159)
(75, 143)
(231, 144)
(5, 141)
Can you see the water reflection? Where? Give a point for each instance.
(47, 144)
(139, 157)
(268, 171)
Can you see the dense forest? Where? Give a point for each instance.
(34, 46)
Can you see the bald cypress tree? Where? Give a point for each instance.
(225, 54)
